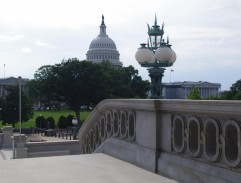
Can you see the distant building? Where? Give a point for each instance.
(10, 81)
(103, 48)
(181, 90)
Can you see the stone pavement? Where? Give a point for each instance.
(90, 168)
(39, 137)
(6, 154)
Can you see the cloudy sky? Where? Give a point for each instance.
(205, 34)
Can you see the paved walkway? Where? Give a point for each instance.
(6, 154)
(91, 168)
(39, 137)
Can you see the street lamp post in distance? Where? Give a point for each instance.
(20, 107)
(75, 127)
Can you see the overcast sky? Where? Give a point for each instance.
(205, 34)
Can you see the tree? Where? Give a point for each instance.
(10, 107)
(42, 88)
(78, 83)
(234, 93)
(227, 95)
(34, 90)
(194, 94)
(236, 87)
(139, 87)
(124, 82)
(237, 96)
(72, 81)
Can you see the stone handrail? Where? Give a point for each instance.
(207, 132)
(113, 109)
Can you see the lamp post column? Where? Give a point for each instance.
(20, 108)
(156, 87)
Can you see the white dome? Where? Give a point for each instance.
(103, 48)
(145, 55)
(102, 42)
(163, 54)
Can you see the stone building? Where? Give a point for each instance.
(181, 90)
(103, 48)
(10, 81)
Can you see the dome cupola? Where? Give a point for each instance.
(103, 48)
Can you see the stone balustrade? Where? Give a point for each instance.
(187, 140)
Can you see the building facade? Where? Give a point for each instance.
(181, 90)
(10, 81)
(103, 48)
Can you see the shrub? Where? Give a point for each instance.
(62, 123)
(50, 123)
(40, 122)
(69, 120)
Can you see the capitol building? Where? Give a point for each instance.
(103, 48)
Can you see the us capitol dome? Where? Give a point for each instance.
(103, 48)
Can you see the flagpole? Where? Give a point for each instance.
(171, 70)
(4, 71)
(170, 75)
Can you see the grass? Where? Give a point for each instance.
(50, 113)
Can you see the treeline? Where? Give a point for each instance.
(72, 82)
(49, 122)
(234, 93)
(82, 83)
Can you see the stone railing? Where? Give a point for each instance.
(113, 123)
(190, 141)
(212, 139)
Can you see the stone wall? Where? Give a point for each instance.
(41, 149)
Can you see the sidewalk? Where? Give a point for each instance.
(39, 137)
(90, 168)
(6, 153)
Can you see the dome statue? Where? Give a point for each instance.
(103, 48)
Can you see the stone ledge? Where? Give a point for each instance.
(48, 153)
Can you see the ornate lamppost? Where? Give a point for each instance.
(20, 108)
(75, 127)
(155, 55)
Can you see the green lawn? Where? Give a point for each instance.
(54, 114)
